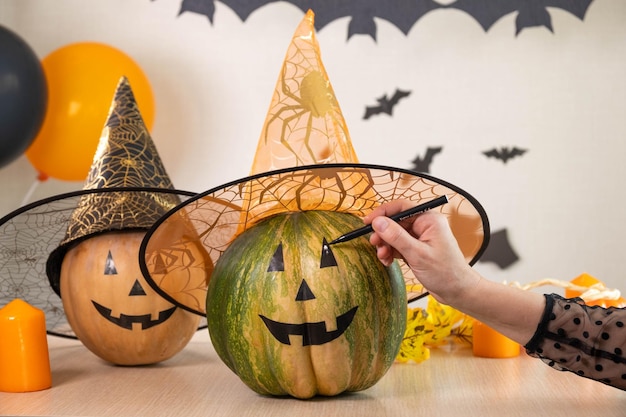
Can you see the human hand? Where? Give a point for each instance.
(428, 247)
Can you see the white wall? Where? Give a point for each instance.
(560, 95)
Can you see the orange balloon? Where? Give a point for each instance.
(82, 79)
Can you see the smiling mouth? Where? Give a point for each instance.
(312, 333)
(126, 321)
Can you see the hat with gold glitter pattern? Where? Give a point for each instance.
(126, 157)
(127, 188)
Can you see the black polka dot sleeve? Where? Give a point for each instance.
(589, 341)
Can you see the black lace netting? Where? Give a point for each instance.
(30, 234)
(589, 341)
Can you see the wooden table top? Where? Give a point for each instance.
(196, 383)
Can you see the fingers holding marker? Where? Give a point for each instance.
(391, 239)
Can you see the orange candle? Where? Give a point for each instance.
(488, 343)
(24, 358)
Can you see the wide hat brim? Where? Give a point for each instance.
(33, 241)
(214, 218)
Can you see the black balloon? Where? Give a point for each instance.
(23, 96)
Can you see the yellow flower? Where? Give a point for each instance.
(431, 327)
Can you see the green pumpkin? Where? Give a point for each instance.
(291, 316)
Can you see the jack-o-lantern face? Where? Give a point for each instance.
(291, 315)
(112, 309)
(312, 333)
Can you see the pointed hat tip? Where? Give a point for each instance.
(304, 124)
(125, 130)
(123, 103)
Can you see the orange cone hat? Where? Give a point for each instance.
(304, 124)
(304, 161)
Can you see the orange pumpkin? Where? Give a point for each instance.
(112, 309)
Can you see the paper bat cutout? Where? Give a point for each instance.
(530, 13)
(423, 164)
(203, 7)
(504, 153)
(499, 250)
(401, 13)
(385, 105)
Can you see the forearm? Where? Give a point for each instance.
(511, 311)
(431, 251)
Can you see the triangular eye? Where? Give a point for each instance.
(328, 258)
(277, 263)
(109, 265)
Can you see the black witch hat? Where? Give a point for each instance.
(127, 189)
